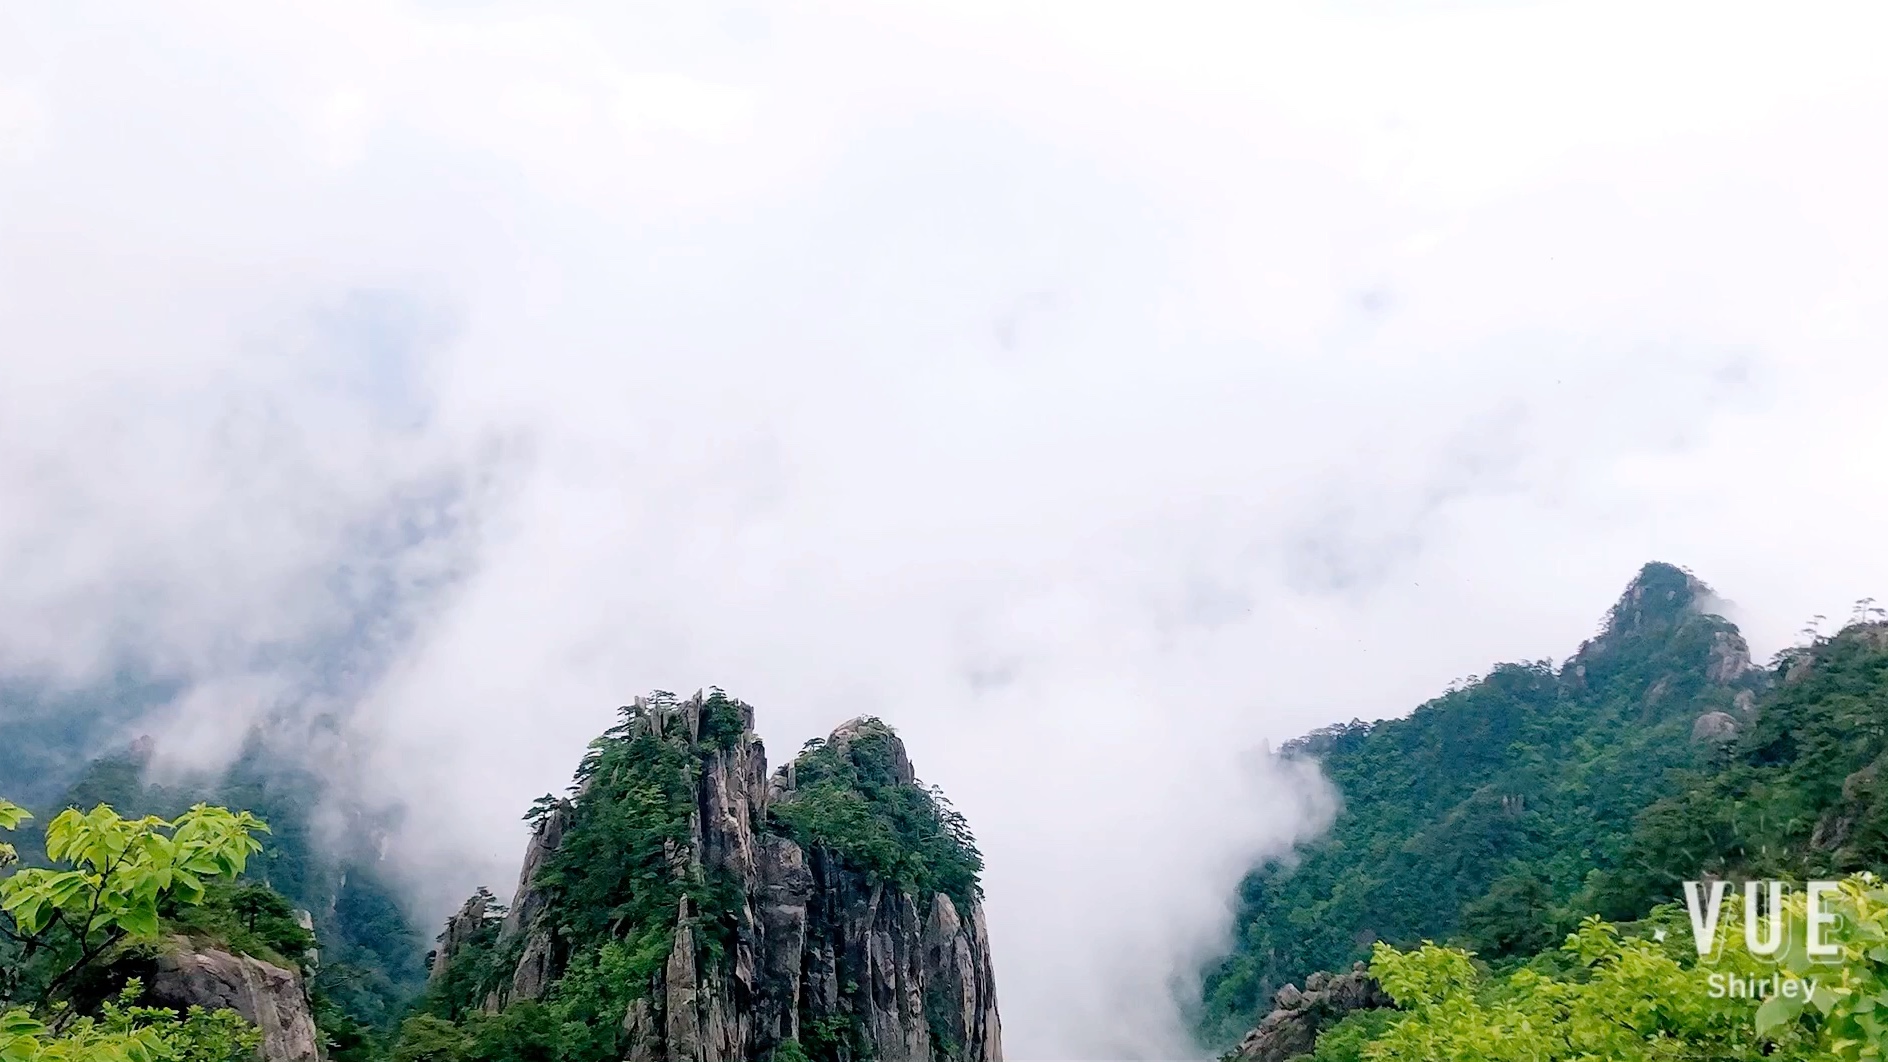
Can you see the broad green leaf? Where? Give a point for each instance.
(67, 889)
(11, 815)
(140, 920)
(1776, 1010)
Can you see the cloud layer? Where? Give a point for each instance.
(1094, 395)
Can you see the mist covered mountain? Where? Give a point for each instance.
(681, 898)
(1482, 810)
(683, 904)
(1499, 815)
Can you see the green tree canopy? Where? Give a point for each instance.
(117, 875)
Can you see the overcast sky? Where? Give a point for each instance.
(1095, 392)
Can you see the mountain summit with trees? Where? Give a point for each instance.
(1509, 858)
(682, 904)
(1504, 882)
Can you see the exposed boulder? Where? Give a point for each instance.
(1714, 728)
(1729, 659)
(1291, 1029)
(271, 998)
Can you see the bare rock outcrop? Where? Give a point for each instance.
(1863, 801)
(1729, 658)
(268, 996)
(1714, 728)
(540, 959)
(1291, 1029)
(819, 952)
(461, 929)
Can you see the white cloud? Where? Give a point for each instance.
(1094, 392)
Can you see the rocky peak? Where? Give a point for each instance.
(462, 929)
(1291, 1029)
(851, 735)
(783, 932)
(1665, 635)
(1658, 599)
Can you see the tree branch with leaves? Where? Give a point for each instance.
(116, 874)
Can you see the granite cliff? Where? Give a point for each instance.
(710, 912)
(270, 997)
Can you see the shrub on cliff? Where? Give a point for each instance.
(851, 797)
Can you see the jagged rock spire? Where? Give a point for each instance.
(813, 948)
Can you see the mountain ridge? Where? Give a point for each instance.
(1486, 811)
(684, 904)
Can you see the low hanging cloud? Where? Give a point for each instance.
(1096, 396)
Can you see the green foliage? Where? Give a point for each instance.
(52, 734)
(11, 815)
(790, 1051)
(589, 1001)
(1800, 795)
(1629, 998)
(348, 1040)
(1499, 813)
(429, 1038)
(1516, 917)
(118, 875)
(613, 875)
(125, 1032)
(123, 867)
(1853, 1023)
(540, 808)
(1347, 1040)
(476, 968)
(244, 917)
(616, 885)
(833, 1036)
(121, 873)
(370, 962)
(849, 797)
(1482, 815)
(1633, 1002)
(524, 1032)
(371, 952)
(723, 721)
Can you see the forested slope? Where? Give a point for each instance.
(371, 951)
(1487, 814)
(1786, 784)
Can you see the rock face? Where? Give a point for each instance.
(461, 928)
(540, 959)
(268, 996)
(1862, 800)
(1729, 659)
(1714, 728)
(1291, 1030)
(821, 953)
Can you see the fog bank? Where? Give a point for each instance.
(1096, 397)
